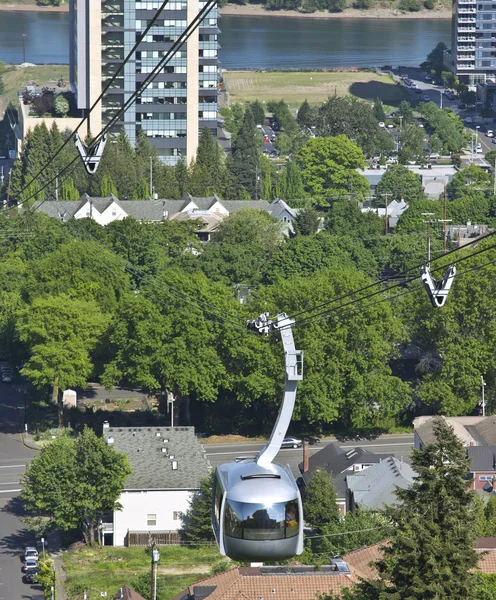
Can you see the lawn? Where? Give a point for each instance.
(106, 569)
(316, 87)
(43, 75)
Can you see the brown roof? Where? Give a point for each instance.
(255, 583)
(360, 561)
(126, 593)
(485, 543)
(487, 562)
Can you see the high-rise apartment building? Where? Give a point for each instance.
(473, 41)
(182, 99)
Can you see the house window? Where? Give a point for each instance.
(176, 515)
(486, 477)
(151, 519)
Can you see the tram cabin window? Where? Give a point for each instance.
(249, 521)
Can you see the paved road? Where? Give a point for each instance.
(13, 535)
(399, 445)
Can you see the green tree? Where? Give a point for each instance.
(397, 183)
(431, 551)
(405, 110)
(197, 520)
(258, 112)
(60, 334)
(72, 483)
(61, 105)
(245, 156)
(283, 143)
(320, 505)
(378, 109)
(305, 115)
(108, 187)
(293, 182)
(435, 59)
(307, 222)
(329, 168)
(68, 190)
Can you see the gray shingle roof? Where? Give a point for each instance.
(482, 458)
(56, 209)
(152, 467)
(374, 487)
(336, 462)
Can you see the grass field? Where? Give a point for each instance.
(107, 569)
(15, 79)
(316, 87)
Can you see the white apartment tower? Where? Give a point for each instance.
(473, 41)
(182, 99)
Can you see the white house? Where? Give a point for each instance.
(210, 211)
(168, 465)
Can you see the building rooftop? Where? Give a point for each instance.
(482, 458)
(162, 458)
(473, 431)
(264, 583)
(375, 487)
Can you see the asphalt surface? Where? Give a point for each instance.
(13, 535)
(399, 445)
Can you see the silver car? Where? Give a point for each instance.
(291, 442)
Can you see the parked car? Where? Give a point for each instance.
(468, 120)
(6, 377)
(312, 440)
(493, 140)
(30, 564)
(478, 149)
(382, 124)
(434, 155)
(291, 442)
(30, 552)
(418, 91)
(490, 133)
(426, 98)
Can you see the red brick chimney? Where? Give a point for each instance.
(305, 456)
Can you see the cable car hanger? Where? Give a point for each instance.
(91, 156)
(437, 290)
(257, 512)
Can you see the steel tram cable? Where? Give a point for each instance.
(107, 87)
(388, 299)
(235, 321)
(144, 84)
(407, 277)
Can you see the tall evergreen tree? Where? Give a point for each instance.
(38, 152)
(258, 112)
(197, 521)
(306, 115)
(431, 552)
(378, 110)
(245, 156)
(320, 506)
(293, 182)
(107, 186)
(181, 172)
(307, 222)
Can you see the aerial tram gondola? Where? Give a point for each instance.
(257, 513)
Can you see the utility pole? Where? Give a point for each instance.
(171, 401)
(401, 121)
(441, 99)
(56, 188)
(257, 179)
(151, 178)
(24, 36)
(153, 578)
(444, 221)
(428, 233)
(483, 399)
(8, 188)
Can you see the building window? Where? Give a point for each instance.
(151, 519)
(486, 477)
(176, 515)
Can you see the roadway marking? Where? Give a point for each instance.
(365, 446)
(8, 491)
(12, 466)
(9, 482)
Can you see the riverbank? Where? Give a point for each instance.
(33, 8)
(253, 10)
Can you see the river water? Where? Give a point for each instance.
(266, 42)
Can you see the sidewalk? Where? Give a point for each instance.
(28, 441)
(60, 577)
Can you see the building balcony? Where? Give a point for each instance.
(466, 29)
(466, 67)
(466, 39)
(467, 11)
(466, 49)
(470, 57)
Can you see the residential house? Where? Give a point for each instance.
(126, 593)
(472, 431)
(463, 234)
(339, 464)
(433, 178)
(168, 464)
(209, 211)
(394, 211)
(360, 562)
(482, 467)
(374, 488)
(259, 583)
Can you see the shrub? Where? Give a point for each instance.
(429, 4)
(61, 105)
(363, 4)
(409, 5)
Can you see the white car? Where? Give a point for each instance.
(490, 133)
(434, 155)
(478, 149)
(291, 442)
(382, 124)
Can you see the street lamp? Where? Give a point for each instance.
(43, 546)
(483, 399)
(155, 559)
